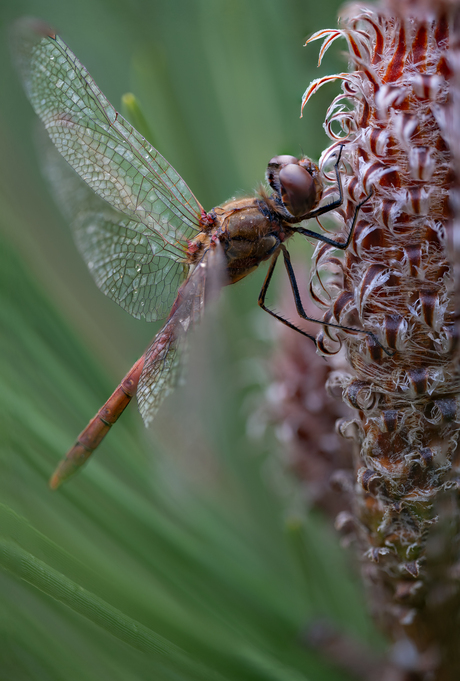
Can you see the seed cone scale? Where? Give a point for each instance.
(399, 117)
(305, 414)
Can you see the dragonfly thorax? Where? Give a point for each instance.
(249, 232)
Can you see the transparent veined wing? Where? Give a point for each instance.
(164, 359)
(103, 148)
(119, 256)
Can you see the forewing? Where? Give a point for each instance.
(120, 257)
(164, 358)
(107, 152)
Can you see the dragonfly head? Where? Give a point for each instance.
(297, 186)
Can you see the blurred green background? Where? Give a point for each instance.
(184, 552)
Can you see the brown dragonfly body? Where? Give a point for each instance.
(146, 239)
(249, 231)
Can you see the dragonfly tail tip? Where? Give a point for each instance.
(55, 481)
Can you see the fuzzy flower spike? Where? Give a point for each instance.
(396, 117)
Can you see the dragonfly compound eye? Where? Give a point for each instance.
(282, 160)
(298, 189)
(274, 167)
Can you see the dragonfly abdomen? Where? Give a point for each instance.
(99, 426)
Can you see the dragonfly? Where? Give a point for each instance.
(146, 239)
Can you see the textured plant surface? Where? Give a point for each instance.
(396, 116)
(305, 415)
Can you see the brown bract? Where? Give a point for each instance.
(398, 117)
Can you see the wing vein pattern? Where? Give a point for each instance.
(133, 232)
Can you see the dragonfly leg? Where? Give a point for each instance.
(343, 245)
(301, 312)
(263, 293)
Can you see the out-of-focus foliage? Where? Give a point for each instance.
(172, 555)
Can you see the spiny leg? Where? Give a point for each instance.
(301, 312)
(263, 293)
(343, 245)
